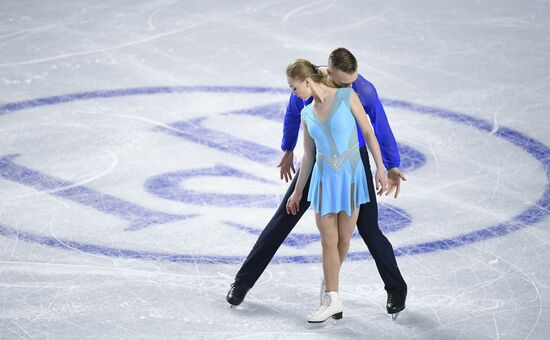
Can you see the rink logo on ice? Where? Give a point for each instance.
(177, 186)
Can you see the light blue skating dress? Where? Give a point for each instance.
(338, 180)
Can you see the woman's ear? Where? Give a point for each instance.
(308, 82)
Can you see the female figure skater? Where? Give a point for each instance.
(338, 182)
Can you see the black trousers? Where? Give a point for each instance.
(281, 225)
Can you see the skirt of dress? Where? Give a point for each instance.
(332, 191)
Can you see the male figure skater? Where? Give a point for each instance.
(342, 70)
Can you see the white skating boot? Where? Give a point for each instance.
(332, 307)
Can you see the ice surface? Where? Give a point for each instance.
(138, 150)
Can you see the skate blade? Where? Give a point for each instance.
(395, 316)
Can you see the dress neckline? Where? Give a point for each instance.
(330, 111)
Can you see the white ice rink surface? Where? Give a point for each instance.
(138, 150)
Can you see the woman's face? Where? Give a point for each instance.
(299, 87)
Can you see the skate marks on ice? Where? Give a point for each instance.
(167, 186)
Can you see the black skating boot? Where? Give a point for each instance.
(236, 293)
(396, 302)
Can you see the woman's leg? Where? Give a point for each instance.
(346, 226)
(331, 305)
(328, 227)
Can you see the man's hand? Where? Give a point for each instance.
(394, 181)
(286, 165)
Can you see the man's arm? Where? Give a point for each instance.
(371, 102)
(388, 146)
(291, 127)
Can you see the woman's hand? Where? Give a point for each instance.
(381, 182)
(293, 203)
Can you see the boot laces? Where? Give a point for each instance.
(239, 289)
(324, 306)
(393, 297)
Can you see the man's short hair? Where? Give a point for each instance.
(343, 60)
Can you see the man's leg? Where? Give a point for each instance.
(272, 237)
(379, 246)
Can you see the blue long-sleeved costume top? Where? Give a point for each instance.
(374, 109)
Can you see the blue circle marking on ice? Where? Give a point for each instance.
(172, 185)
(529, 216)
(168, 186)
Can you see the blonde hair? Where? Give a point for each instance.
(301, 69)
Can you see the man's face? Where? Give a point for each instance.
(341, 78)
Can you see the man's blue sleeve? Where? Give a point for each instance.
(369, 98)
(291, 125)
